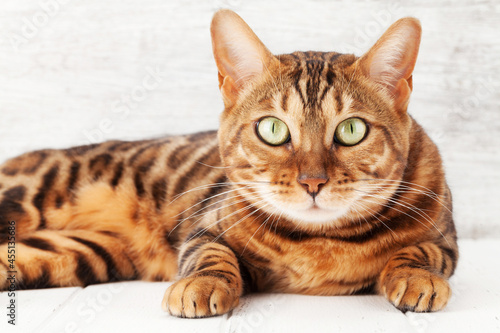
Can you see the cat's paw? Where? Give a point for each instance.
(417, 291)
(196, 297)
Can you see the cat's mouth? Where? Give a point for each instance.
(315, 207)
(308, 210)
(316, 214)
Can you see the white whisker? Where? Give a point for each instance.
(241, 219)
(214, 167)
(405, 213)
(210, 198)
(374, 214)
(207, 186)
(264, 223)
(201, 215)
(243, 251)
(218, 221)
(409, 185)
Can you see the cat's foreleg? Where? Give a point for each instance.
(210, 281)
(415, 278)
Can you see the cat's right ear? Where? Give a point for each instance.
(240, 56)
(391, 60)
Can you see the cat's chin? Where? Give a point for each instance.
(316, 215)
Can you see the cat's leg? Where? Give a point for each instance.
(415, 278)
(210, 283)
(50, 258)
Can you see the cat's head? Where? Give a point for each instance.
(312, 135)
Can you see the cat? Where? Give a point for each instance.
(317, 182)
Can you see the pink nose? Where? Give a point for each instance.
(312, 185)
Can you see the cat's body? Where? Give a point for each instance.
(121, 192)
(235, 212)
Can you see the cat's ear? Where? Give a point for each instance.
(391, 60)
(240, 56)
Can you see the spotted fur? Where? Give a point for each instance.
(225, 214)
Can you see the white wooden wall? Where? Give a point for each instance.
(74, 72)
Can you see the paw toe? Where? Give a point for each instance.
(419, 293)
(199, 297)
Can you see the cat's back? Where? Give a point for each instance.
(114, 180)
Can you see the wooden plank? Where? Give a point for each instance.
(123, 307)
(33, 307)
(299, 313)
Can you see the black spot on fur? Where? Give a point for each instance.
(188, 253)
(105, 256)
(159, 192)
(142, 150)
(141, 171)
(103, 160)
(117, 175)
(84, 271)
(59, 201)
(99, 164)
(139, 185)
(10, 171)
(74, 170)
(39, 243)
(216, 274)
(11, 209)
(452, 255)
(176, 157)
(172, 236)
(41, 156)
(366, 290)
(42, 281)
(15, 193)
(39, 198)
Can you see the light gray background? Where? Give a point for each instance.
(68, 68)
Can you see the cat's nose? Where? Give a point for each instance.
(312, 184)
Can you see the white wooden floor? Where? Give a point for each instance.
(135, 307)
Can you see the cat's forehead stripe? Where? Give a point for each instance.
(313, 76)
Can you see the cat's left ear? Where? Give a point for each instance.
(391, 60)
(239, 54)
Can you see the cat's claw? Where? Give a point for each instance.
(421, 292)
(196, 297)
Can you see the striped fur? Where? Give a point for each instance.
(225, 214)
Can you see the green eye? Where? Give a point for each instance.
(350, 132)
(273, 131)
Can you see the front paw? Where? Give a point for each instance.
(202, 296)
(416, 290)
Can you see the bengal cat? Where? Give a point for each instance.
(318, 182)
